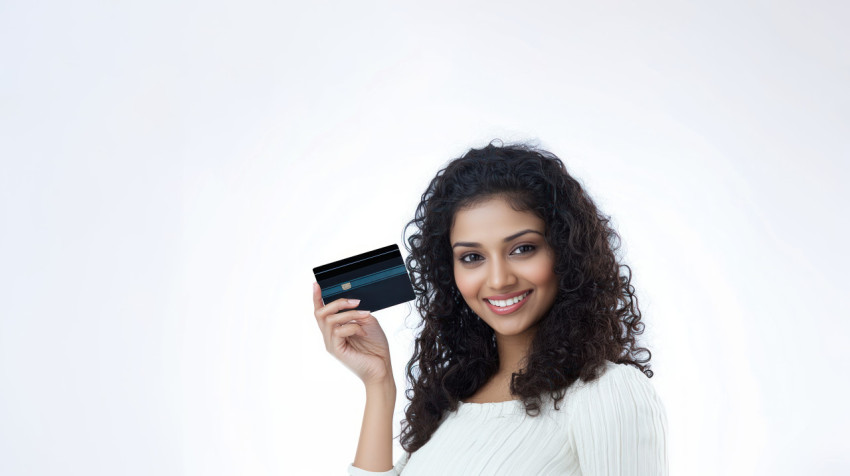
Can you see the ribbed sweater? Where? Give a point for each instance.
(614, 425)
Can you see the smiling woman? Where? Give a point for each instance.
(507, 277)
(527, 360)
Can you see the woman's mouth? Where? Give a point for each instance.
(507, 306)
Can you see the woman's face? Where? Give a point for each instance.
(502, 266)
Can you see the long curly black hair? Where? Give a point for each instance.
(595, 316)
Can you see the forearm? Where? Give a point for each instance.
(375, 448)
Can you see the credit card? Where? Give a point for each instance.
(378, 278)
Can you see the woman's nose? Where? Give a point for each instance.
(501, 276)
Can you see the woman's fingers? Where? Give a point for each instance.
(346, 330)
(333, 316)
(344, 317)
(331, 308)
(317, 297)
(322, 312)
(345, 320)
(335, 307)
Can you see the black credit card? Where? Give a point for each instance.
(377, 278)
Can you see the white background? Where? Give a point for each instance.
(172, 172)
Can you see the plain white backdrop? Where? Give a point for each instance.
(172, 172)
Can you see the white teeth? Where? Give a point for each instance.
(508, 302)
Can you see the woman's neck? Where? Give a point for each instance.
(513, 350)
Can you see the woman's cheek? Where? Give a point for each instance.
(466, 284)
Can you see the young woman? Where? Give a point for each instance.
(527, 362)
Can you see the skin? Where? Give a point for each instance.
(357, 340)
(485, 265)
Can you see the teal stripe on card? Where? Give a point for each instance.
(362, 281)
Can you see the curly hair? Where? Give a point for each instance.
(595, 316)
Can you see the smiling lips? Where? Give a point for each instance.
(507, 303)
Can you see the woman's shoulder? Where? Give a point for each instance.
(621, 395)
(617, 422)
(615, 381)
(628, 373)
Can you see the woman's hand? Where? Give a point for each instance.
(354, 337)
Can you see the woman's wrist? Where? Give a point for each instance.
(383, 387)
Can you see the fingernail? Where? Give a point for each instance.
(354, 301)
(363, 313)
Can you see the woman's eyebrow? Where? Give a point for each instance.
(514, 236)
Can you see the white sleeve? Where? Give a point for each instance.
(395, 471)
(619, 425)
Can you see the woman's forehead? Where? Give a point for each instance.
(492, 220)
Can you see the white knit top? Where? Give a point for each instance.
(615, 425)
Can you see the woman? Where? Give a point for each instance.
(527, 362)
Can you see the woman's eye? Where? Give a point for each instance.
(523, 249)
(470, 258)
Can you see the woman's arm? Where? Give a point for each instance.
(375, 448)
(356, 339)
